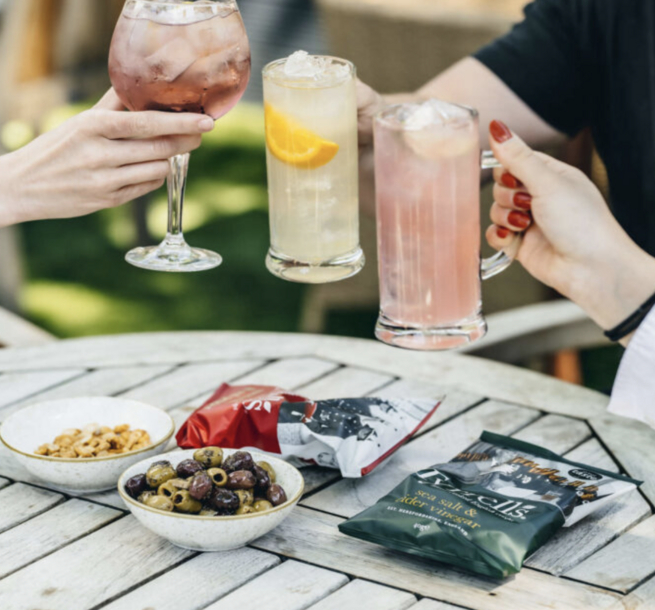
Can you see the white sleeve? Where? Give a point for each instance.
(633, 394)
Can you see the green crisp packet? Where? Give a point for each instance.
(488, 509)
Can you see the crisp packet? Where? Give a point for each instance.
(353, 435)
(490, 508)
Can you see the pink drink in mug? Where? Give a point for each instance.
(427, 167)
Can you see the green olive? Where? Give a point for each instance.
(159, 473)
(218, 476)
(262, 505)
(145, 495)
(208, 512)
(160, 503)
(246, 497)
(244, 509)
(209, 457)
(269, 469)
(169, 488)
(184, 503)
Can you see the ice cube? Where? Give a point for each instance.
(433, 112)
(171, 60)
(303, 65)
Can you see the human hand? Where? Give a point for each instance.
(102, 158)
(571, 241)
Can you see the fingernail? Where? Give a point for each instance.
(523, 200)
(519, 220)
(502, 232)
(206, 124)
(500, 132)
(510, 181)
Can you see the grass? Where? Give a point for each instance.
(80, 285)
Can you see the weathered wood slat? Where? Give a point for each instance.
(92, 570)
(197, 583)
(473, 374)
(454, 403)
(103, 382)
(642, 598)
(290, 373)
(18, 386)
(431, 604)
(572, 545)
(313, 536)
(633, 445)
(291, 586)
(20, 502)
(345, 383)
(25, 543)
(3, 483)
(556, 432)
(348, 497)
(359, 594)
(189, 381)
(623, 564)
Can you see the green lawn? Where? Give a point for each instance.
(79, 283)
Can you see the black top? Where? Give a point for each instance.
(591, 63)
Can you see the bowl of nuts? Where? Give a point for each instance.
(82, 445)
(211, 499)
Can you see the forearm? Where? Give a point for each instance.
(611, 291)
(470, 83)
(10, 204)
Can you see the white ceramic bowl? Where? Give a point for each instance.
(24, 431)
(215, 533)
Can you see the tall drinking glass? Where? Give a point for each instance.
(427, 167)
(179, 56)
(311, 138)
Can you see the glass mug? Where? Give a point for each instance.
(312, 158)
(427, 173)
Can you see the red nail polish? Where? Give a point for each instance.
(523, 200)
(502, 232)
(519, 220)
(500, 132)
(510, 181)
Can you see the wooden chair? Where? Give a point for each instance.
(17, 332)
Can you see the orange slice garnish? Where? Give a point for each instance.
(294, 145)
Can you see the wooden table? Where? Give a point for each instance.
(61, 553)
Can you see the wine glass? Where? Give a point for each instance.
(179, 56)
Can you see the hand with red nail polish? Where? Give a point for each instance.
(571, 241)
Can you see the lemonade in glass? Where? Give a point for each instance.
(312, 158)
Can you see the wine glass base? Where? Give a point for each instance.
(333, 270)
(430, 339)
(173, 259)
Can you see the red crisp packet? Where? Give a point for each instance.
(353, 435)
(237, 416)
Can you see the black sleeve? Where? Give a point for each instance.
(542, 60)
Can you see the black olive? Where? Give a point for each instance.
(187, 468)
(276, 495)
(241, 479)
(240, 460)
(224, 501)
(263, 480)
(201, 486)
(136, 485)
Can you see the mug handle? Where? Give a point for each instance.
(498, 262)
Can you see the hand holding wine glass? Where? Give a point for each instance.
(179, 57)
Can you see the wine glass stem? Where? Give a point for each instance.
(176, 187)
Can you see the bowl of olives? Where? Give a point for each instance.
(211, 499)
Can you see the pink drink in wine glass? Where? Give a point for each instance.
(179, 56)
